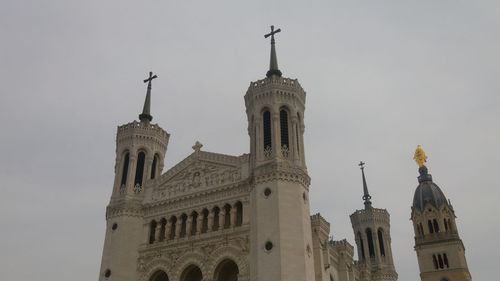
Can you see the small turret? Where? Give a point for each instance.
(440, 251)
(373, 239)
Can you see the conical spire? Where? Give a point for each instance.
(366, 195)
(273, 64)
(145, 116)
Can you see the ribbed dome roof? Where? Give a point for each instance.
(428, 192)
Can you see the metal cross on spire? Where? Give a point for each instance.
(145, 116)
(366, 195)
(273, 65)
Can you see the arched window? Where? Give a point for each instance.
(227, 216)
(284, 128)
(239, 213)
(152, 232)
(429, 223)
(154, 166)
(227, 270)
(183, 225)
(381, 242)
(204, 221)
(126, 161)
(266, 116)
(434, 261)
(139, 172)
(192, 273)
(194, 223)
(163, 226)
(215, 225)
(421, 228)
(445, 260)
(371, 248)
(440, 260)
(436, 226)
(361, 246)
(160, 275)
(173, 226)
(445, 225)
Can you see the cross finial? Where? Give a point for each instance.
(197, 146)
(145, 116)
(272, 33)
(273, 65)
(361, 165)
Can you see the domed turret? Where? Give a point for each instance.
(428, 192)
(440, 251)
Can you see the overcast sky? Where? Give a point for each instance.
(381, 77)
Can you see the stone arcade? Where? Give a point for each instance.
(216, 217)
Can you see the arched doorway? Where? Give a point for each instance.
(227, 270)
(160, 275)
(192, 273)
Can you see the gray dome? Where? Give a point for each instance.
(428, 192)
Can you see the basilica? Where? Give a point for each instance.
(218, 217)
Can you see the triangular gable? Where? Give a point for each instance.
(199, 171)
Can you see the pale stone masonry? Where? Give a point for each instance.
(217, 217)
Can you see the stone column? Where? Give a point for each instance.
(189, 225)
(178, 226)
(293, 137)
(129, 187)
(199, 223)
(233, 216)
(168, 227)
(276, 135)
(210, 221)
(245, 209)
(158, 232)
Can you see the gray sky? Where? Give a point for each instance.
(381, 77)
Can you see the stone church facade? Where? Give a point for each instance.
(217, 217)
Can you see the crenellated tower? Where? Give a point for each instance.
(281, 244)
(140, 154)
(373, 239)
(440, 251)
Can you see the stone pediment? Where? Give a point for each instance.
(199, 172)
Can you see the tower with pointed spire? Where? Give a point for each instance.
(140, 153)
(280, 218)
(440, 251)
(373, 239)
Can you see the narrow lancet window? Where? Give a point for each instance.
(267, 130)
(227, 216)
(284, 128)
(204, 221)
(434, 260)
(152, 232)
(429, 223)
(163, 226)
(371, 248)
(173, 226)
(239, 213)
(125, 169)
(139, 172)
(153, 167)
(436, 226)
(361, 246)
(381, 242)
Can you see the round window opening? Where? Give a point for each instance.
(267, 192)
(268, 246)
(115, 226)
(107, 273)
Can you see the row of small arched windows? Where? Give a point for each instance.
(196, 223)
(433, 226)
(140, 168)
(440, 261)
(371, 244)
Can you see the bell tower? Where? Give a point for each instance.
(372, 232)
(281, 244)
(440, 251)
(140, 154)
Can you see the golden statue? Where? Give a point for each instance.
(420, 156)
